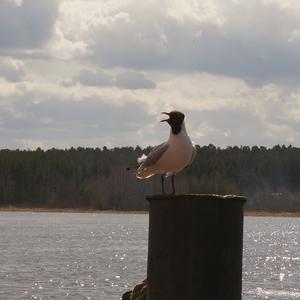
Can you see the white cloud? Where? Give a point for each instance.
(197, 12)
(12, 70)
(219, 110)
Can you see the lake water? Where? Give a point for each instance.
(100, 256)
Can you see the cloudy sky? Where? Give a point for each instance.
(99, 72)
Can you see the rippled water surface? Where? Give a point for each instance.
(99, 256)
(271, 258)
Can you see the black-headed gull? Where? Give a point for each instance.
(170, 157)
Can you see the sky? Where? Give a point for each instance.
(97, 73)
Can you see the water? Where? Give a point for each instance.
(99, 256)
(271, 258)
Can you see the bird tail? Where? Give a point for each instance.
(132, 168)
(140, 161)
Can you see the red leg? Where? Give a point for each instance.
(173, 184)
(162, 184)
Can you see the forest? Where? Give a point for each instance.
(97, 178)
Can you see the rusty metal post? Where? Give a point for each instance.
(195, 247)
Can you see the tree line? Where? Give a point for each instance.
(97, 177)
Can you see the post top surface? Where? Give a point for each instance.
(195, 197)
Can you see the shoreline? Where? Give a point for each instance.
(95, 211)
(294, 214)
(68, 210)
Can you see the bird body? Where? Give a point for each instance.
(170, 157)
(177, 154)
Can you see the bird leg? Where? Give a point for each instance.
(162, 184)
(173, 184)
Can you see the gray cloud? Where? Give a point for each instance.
(12, 70)
(94, 78)
(133, 80)
(67, 123)
(27, 25)
(123, 80)
(262, 47)
(229, 127)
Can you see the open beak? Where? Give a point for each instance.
(165, 120)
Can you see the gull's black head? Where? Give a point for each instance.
(175, 120)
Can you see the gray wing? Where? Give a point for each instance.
(193, 154)
(155, 155)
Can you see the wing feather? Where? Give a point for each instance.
(154, 155)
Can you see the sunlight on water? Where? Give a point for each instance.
(260, 293)
(271, 258)
(100, 256)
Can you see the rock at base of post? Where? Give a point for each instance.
(139, 292)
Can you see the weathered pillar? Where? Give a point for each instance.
(195, 247)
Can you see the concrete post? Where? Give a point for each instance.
(195, 247)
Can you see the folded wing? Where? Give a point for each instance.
(151, 160)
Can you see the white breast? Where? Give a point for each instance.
(177, 156)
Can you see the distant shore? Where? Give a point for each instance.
(295, 214)
(68, 210)
(89, 210)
